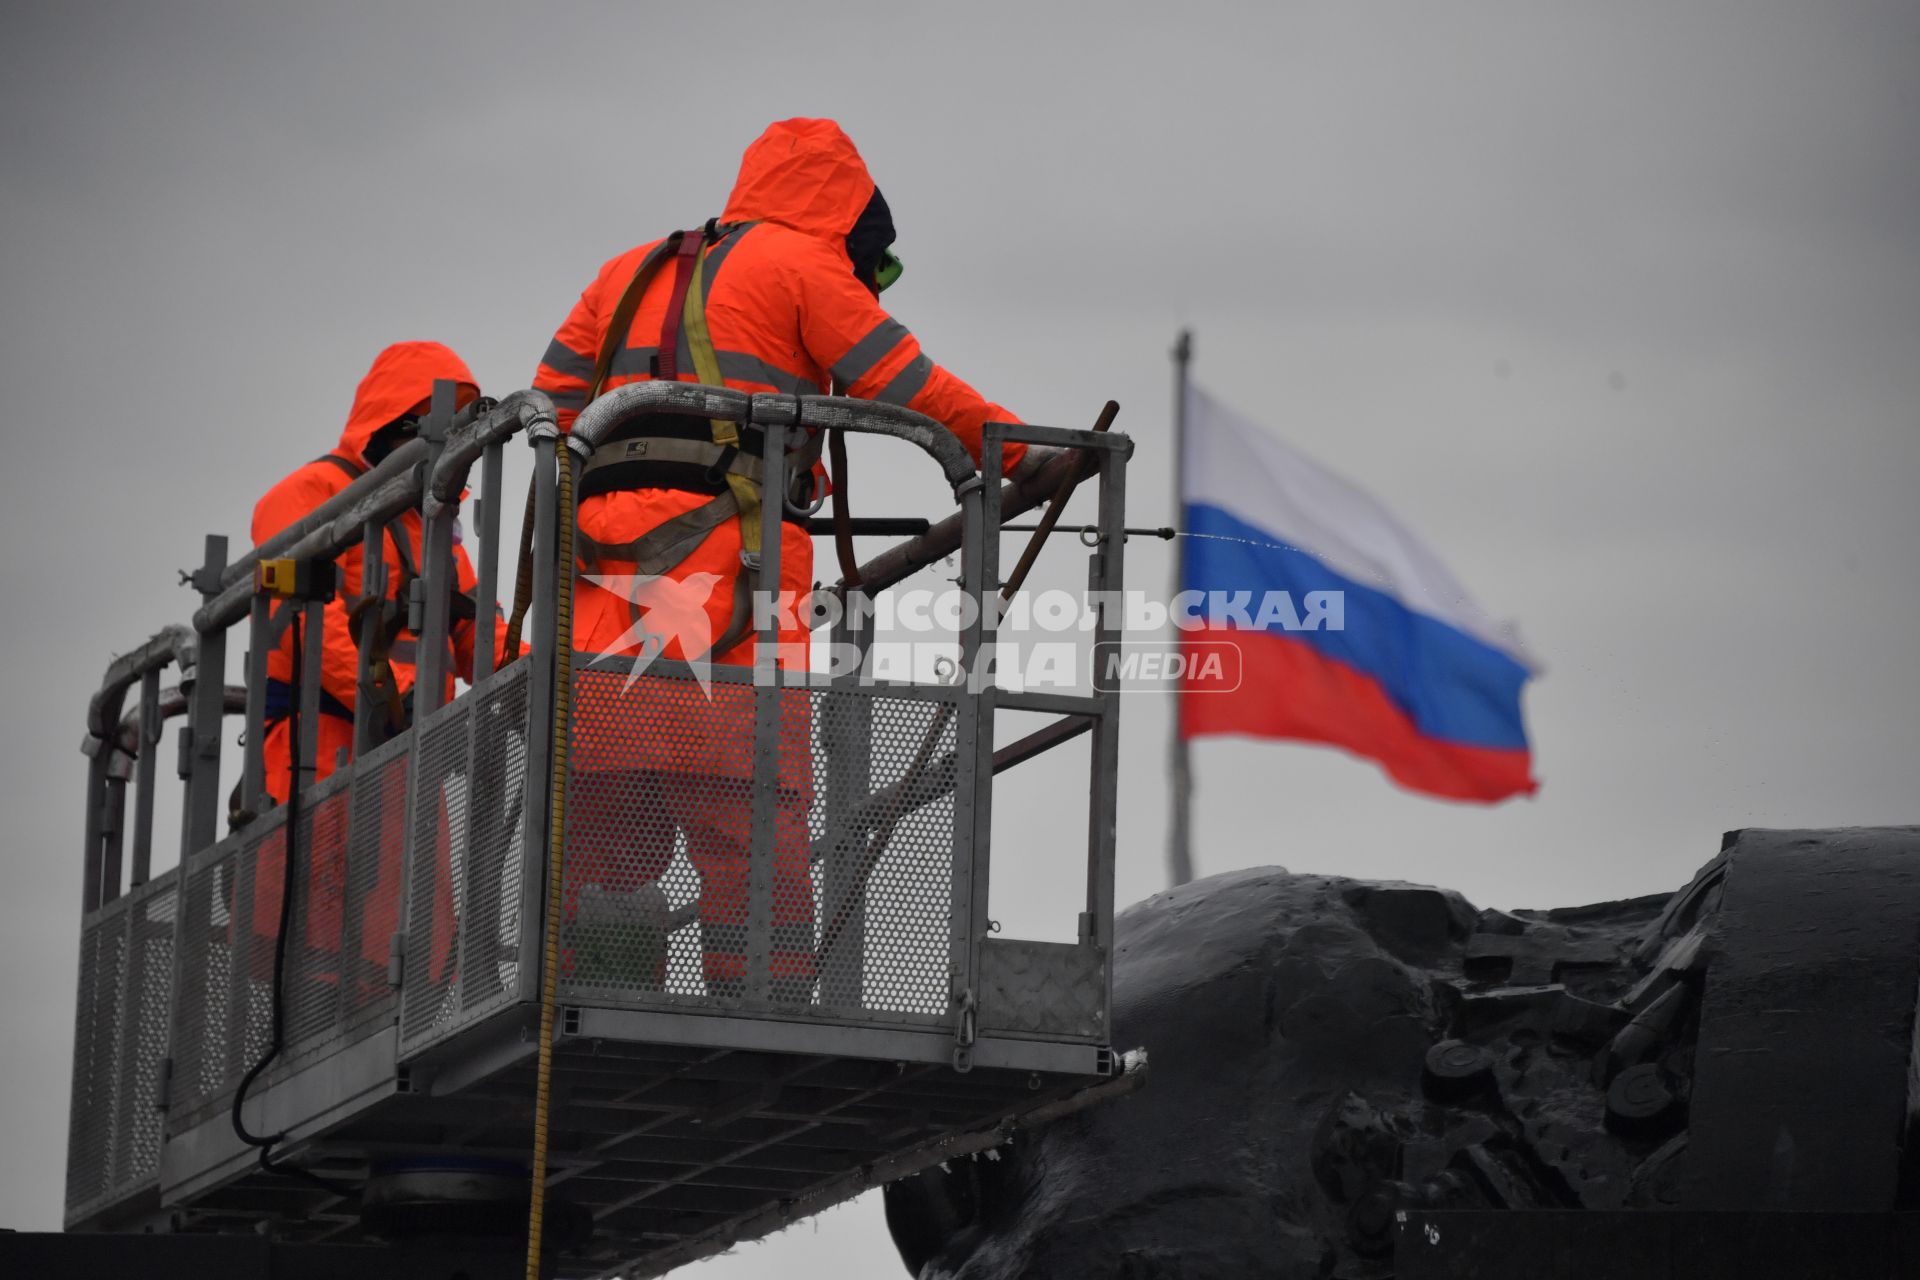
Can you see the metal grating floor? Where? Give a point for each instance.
(678, 1152)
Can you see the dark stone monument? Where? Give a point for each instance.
(1337, 1065)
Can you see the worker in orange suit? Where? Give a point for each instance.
(788, 282)
(387, 408)
(395, 394)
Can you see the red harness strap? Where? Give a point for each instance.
(667, 361)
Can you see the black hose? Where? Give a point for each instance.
(288, 863)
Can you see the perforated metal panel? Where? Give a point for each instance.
(223, 1019)
(256, 910)
(886, 855)
(143, 1034)
(103, 947)
(203, 1011)
(120, 1047)
(658, 795)
(802, 855)
(463, 926)
(489, 898)
(431, 994)
(848, 914)
(347, 909)
(346, 905)
(376, 849)
(315, 959)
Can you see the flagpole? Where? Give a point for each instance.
(1180, 850)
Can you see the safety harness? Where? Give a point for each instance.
(387, 643)
(665, 451)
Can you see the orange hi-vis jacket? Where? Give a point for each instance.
(400, 382)
(786, 314)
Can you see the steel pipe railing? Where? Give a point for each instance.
(429, 476)
(395, 486)
(406, 458)
(170, 645)
(415, 475)
(431, 473)
(1036, 481)
(467, 443)
(133, 758)
(105, 812)
(597, 422)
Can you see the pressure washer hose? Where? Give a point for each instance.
(556, 845)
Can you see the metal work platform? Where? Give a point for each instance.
(777, 981)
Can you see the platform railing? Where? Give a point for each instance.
(693, 792)
(356, 869)
(875, 814)
(419, 883)
(174, 1000)
(125, 979)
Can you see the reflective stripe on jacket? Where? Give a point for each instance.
(786, 314)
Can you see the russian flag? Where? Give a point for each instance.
(1396, 664)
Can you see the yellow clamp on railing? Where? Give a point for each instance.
(289, 579)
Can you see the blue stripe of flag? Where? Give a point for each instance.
(1453, 686)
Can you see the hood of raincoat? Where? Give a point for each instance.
(803, 174)
(402, 376)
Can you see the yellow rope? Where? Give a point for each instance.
(556, 844)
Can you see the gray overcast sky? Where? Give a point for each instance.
(1618, 305)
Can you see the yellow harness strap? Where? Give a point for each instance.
(706, 366)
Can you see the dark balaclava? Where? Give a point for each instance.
(390, 437)
(870, 238)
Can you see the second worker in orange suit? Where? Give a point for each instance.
(395, 394)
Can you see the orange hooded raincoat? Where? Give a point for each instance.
(788, 314)
(400, 382)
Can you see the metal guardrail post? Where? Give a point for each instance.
(261, 638)
(113, 822)
(313, 653)
(1105, 575)
(369, 707)
(487, 517)
(485, 770)
(146, 772)
(432, 624)
(974, 775)
(95, 819)
(548, 455)
(768, 697)
(972, 745)
(847, 735)
(200, 820)
(436, 566)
